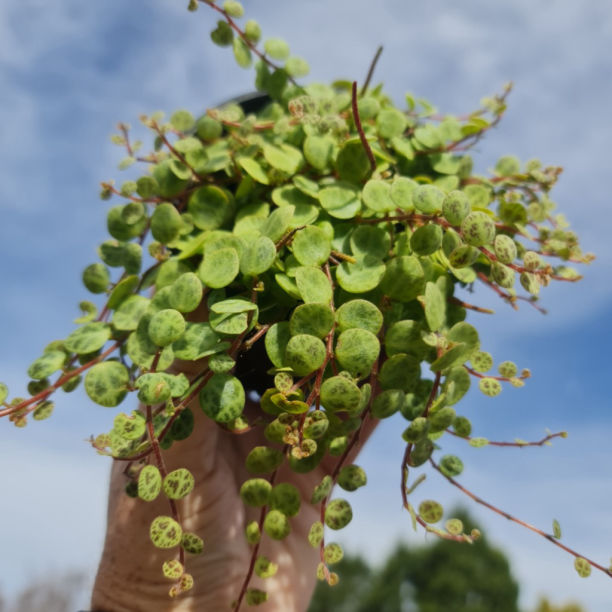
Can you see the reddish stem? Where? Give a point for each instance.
(545, 535)
(64, 378)
(542, 442)
(362, 136)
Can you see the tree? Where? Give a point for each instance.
(545, 606)
(332, 232)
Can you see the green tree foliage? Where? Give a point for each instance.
(545, 606)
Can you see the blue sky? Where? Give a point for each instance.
(70, 70)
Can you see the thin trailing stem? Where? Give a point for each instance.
(161, 466)
(232, 24)
(547, 536)
(370, 74)
(454, 300)
(249, 574)
(362, 136)
(177, 154)
(517, 444)
(63, 379)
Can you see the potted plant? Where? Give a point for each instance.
(284, 273)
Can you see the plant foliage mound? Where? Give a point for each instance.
(334, 230)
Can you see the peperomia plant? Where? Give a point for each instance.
(305, 260)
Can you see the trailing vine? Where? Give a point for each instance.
(335, 232)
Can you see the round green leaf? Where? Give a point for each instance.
(96, 278)
(178, 483)
(490, 386)
(314, 319)
(149, 483)
(352, 163)
(430, 511)
(404, 278)
(362, 276)
(359, 313)
(313, 285)
(463, 256)
(318, 150)
(276, 48)
(297, 67)
(129, 313)
(166, 326)
(186, 292)
(456, 384)
(451, 465)
(441, 419)
(119, 228)
(276, 525)
(505, 249)
(339, 393)
(400, 371)
(304, 354)
(254, 169)
(402, 189)
(367, 240)
(478, 229)
(340, 200)
(311, 246)
(44, 366)
(481, 361)
(276, 341)
(122, 290)
(286, 498)
(455, 207)
(376, 195)
(182, 427)
(130, 427)
(435, 307)
(352, 477)
(106, 383)
(582, 566)
(169, 184)
(285, 158)
(426, 239)
(357, 350)
(165, 532)
(210, 207)
(199, 340)
(387, 403)
(263, 460)
(141, 349)
(255, 492)
(166, 223)
(338, 514)
(222, 398)
(428, 198)
(242, 53)
(279, 221)
(231, 317)
(219, 268)
(43, 410)
(306, 209)
(390, 122)
(153, 388)
(258, 256)
(182, 120)
(88, 338)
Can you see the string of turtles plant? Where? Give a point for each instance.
(336, 229)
